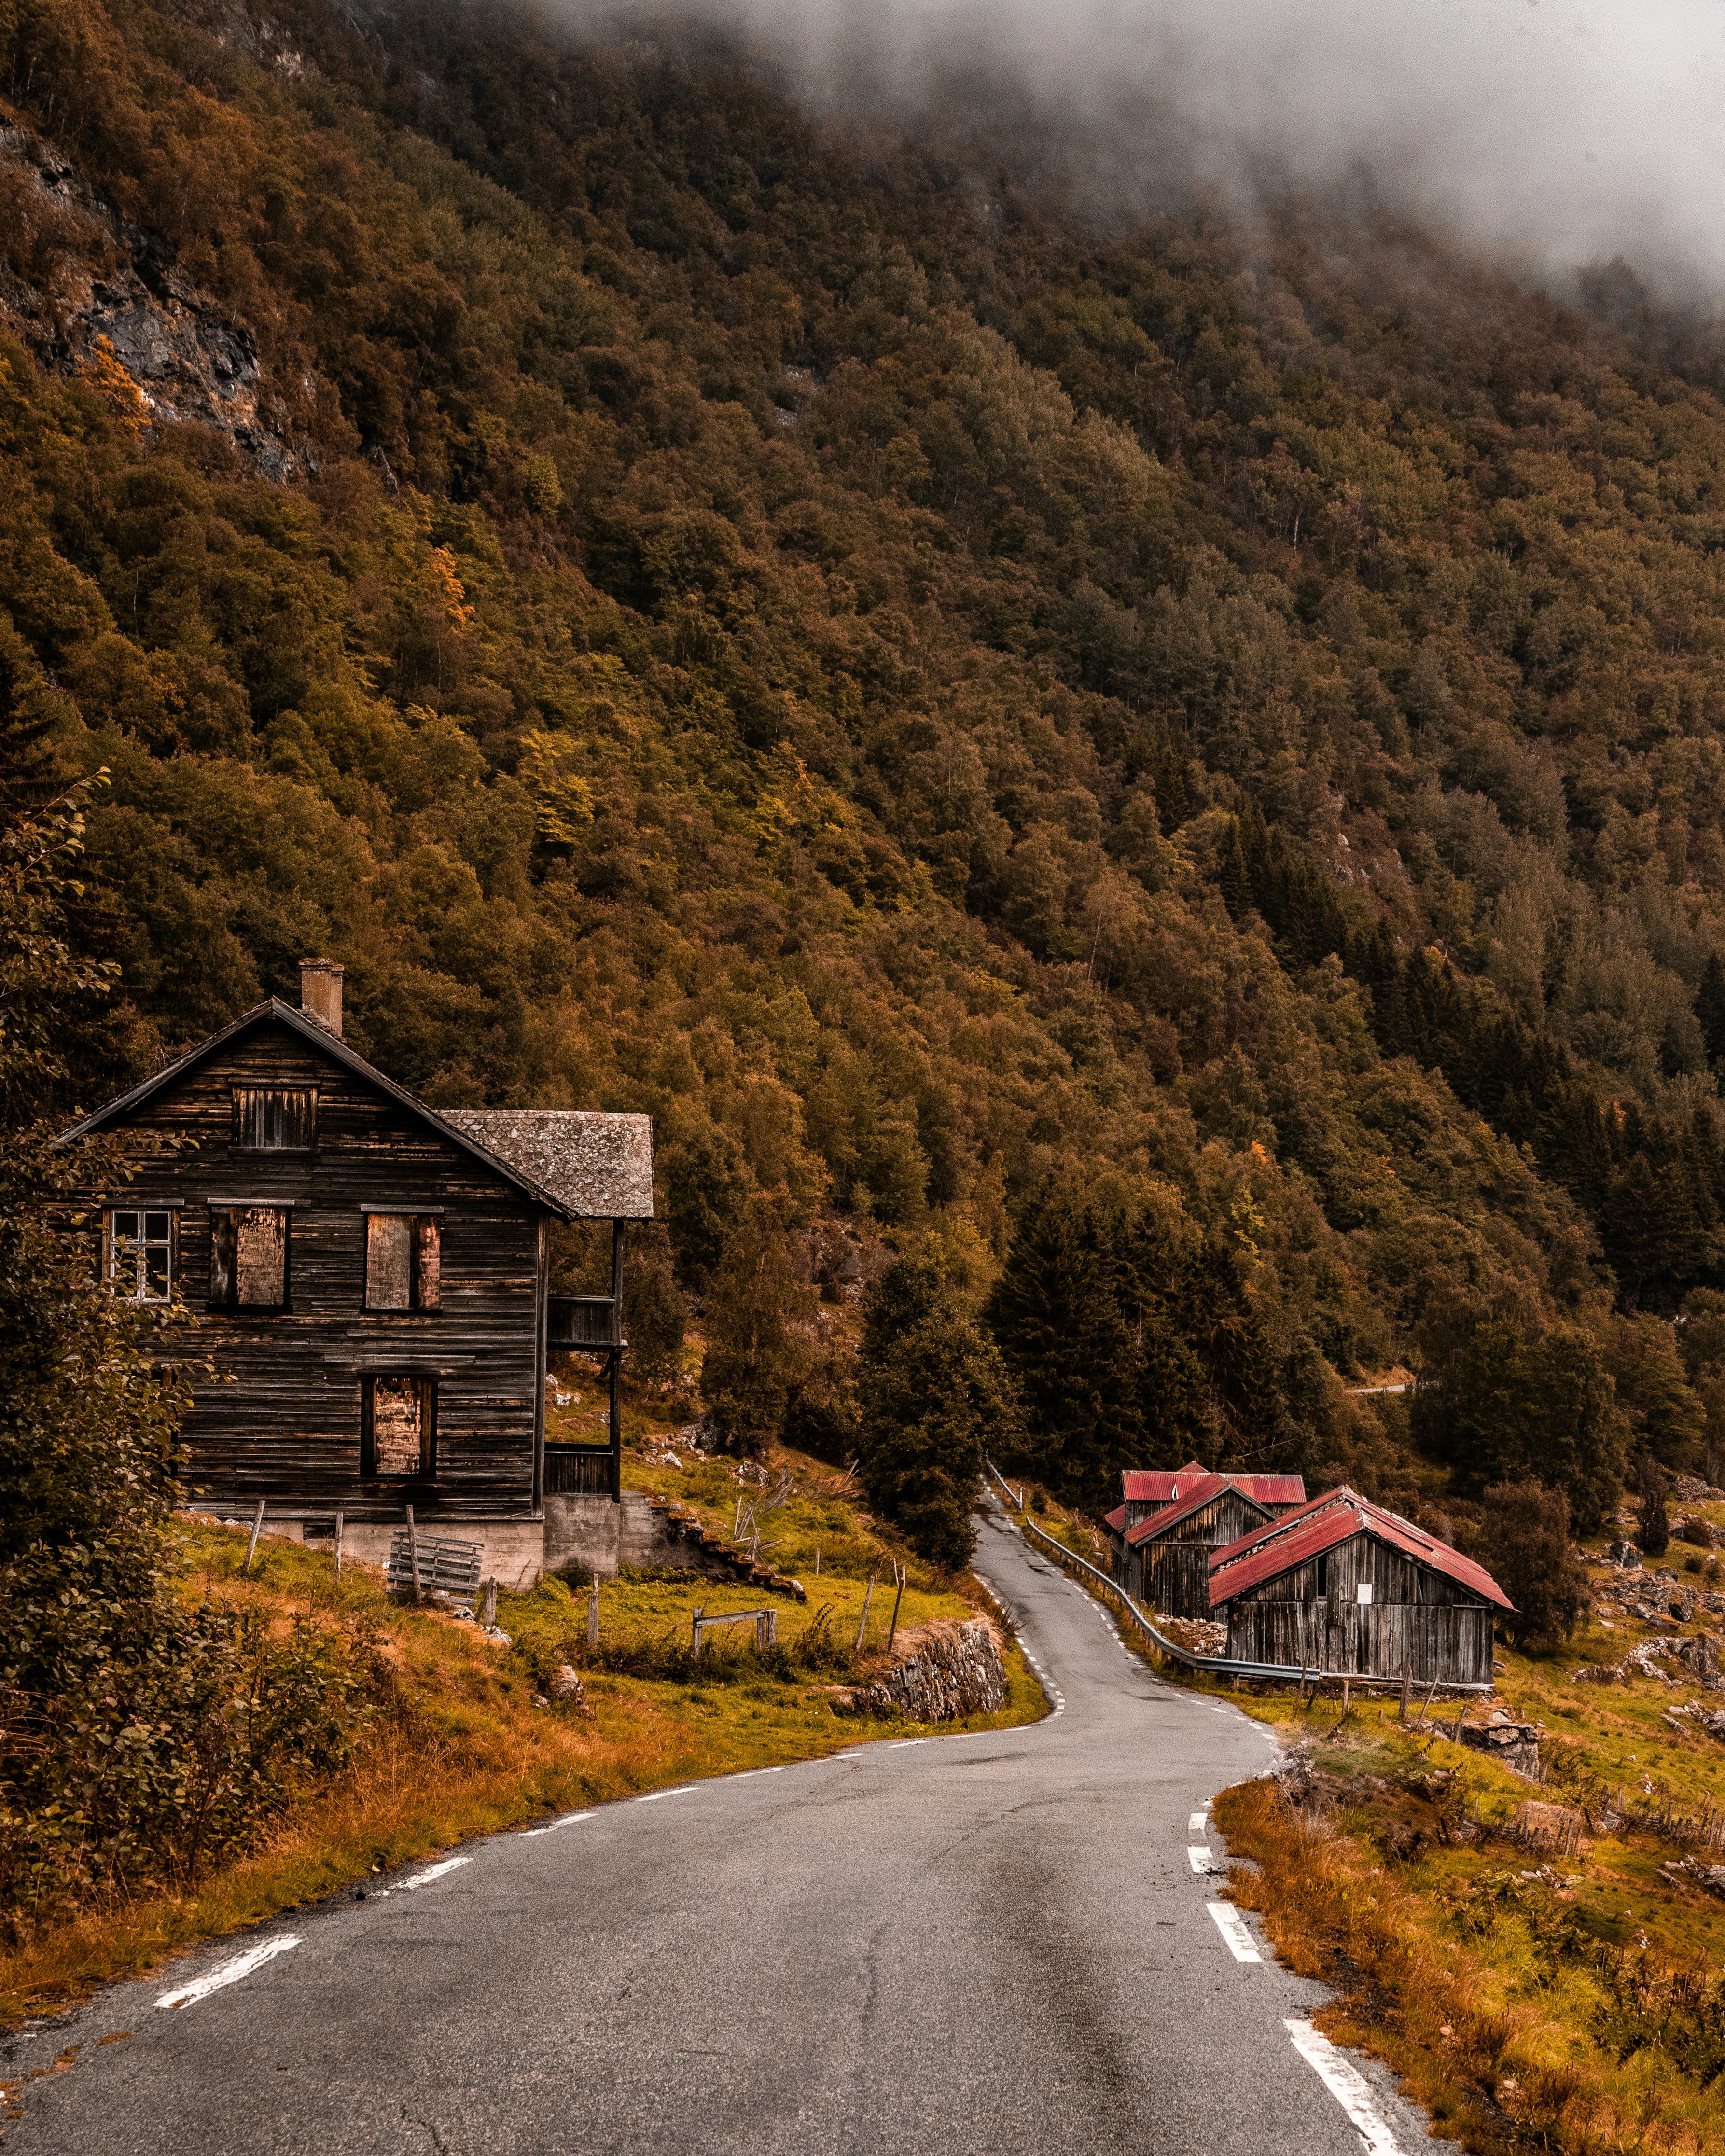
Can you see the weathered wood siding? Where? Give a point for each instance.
(289, 1428)
(1418, 1620)
(1173, 1570)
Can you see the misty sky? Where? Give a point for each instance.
(1569, 130)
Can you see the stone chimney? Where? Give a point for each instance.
(321, 992)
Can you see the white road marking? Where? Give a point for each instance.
(568, 1820)
(226, 1972)
(844, 1755)
(1347, 2084)
(749, 1773)
(1195, 1824)
(652, 1796)
(1200, 1860)
(436, 1871)
(1232, 1926)
(905, 1744)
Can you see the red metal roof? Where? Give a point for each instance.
(1116, 1519)
(1196, 1496)
(1145, 1486)
(1142, 1486)
(1336, 1518)
(1286, 1524)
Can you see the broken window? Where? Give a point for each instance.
(141, 1255)
(275, 1118)
(400, 1426)
(404, 1261)
(248, 1257)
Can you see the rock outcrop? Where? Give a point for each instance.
(1512, 1744)
(94, 284)
(950, 1670)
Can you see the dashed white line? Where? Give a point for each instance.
(1200, 1860)
(1195, 1824)
(654, 1796)
(749, 1773)
(435, 1871)
(905, 1744)
(226, 1972)
(568, 1820)
(1347, 2084)
(1232, 1926)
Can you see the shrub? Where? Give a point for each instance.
(1524, 1539)
(1653, 1530)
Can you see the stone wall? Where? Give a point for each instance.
(585, 1535)
(947, 1672)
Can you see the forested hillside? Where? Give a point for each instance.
(1177, 773)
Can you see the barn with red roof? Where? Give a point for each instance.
(1162, 1531)
(1347, 1586)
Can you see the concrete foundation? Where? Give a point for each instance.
(597, 1535)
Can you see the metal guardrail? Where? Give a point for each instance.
(1205, 1665)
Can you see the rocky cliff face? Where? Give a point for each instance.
(949, 1671)
(74, 273)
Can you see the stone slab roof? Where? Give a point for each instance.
(600, 1167)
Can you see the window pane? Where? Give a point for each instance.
(272, 1118)
(155, 1272)
(261, 1257)
(397, 1423)
(221, 1259)
(389, 1260)
(123, 1254)
(430, 1266)
(156, 1226)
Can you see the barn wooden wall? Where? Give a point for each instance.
(288, 1428)
(1173, 1570)
(1419, 1621)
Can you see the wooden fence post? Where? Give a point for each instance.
(765, 1629)
(488, 1606)
(338, 1547)
(694, 1641)
(817, 1560)
(868, 1595)
(592, 1614)
(413, 1553)
(1407, 1688)
(251, 1547)
(892, 1630)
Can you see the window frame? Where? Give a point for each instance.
(229, 1305)
(422, 1219)
(141, 1244)
(370, 1471)
(240, 1144)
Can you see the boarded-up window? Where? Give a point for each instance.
(249, 1258)
(404, 1261)
(275, 1118)
(140, 1251)
(401, 1426)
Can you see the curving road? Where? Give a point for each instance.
(963, 1946)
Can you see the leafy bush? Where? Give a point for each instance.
(1524, 1543)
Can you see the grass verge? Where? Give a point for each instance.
(464, 1741)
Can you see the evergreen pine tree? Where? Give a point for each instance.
(1710, 1007)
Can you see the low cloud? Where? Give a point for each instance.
(1564, 131)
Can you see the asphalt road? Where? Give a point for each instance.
(964, 1946)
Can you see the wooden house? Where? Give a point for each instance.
(1168, 1553)
(1146, 1493)
(369, 1278)
(1345, 1586)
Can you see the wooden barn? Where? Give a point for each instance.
(1344, 1586)
(1149, 1493)
(1168, 1554)
(371, 1279)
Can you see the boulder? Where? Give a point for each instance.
(1625, 1556)
(1512, 1744)
(1701, 1654)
